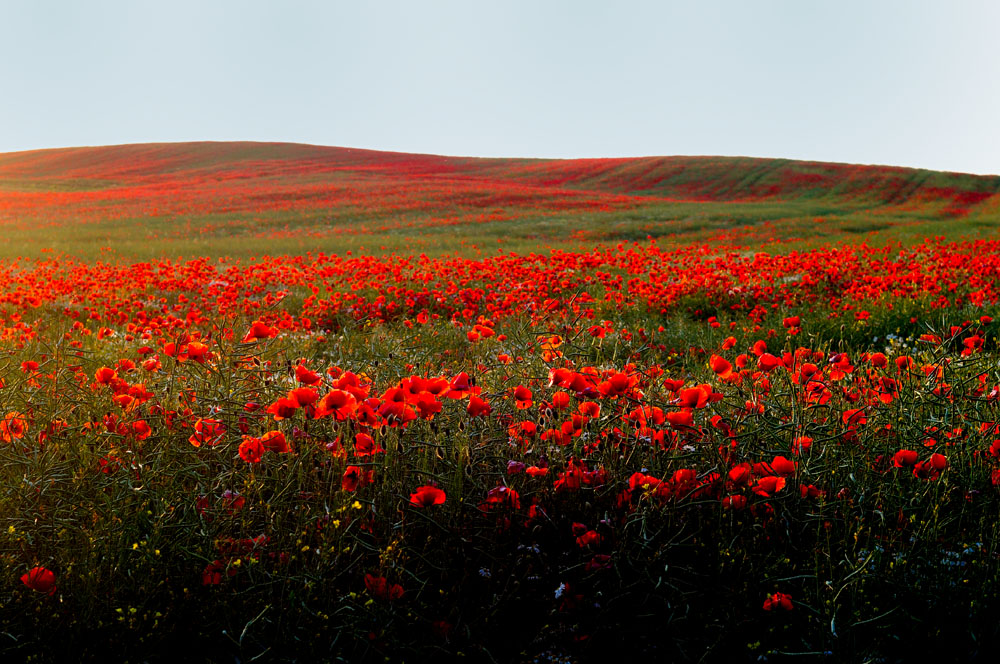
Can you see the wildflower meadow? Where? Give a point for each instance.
(265, 402)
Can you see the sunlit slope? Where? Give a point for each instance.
(183, 197)
(749, 179)
(152, 160)
(697, 178)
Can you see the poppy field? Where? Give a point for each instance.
(270, 402)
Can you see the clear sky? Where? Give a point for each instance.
(903, 82)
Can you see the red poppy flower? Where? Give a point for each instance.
(196, 351)
(307, 377)
(560, 400)
(522, 397)
(461, 385)
(284, 408)
(207, 432)
(783, 466)
(141, 430)
(502, 496)
(801, 444)
(215, 572)
(40, 580)
(693, 397)
(396, 413)
(721, 366)
(364, 445)
(351, 383)
(810, 491)
(617, 384)
(879, 360)
(13, 426)
(904, 458)
(251, 449)
(778, 602)
(381, 589)
(589, 539)
(105, 375)
(260, 330)
(931, 468)
(642, 481)
(355, 478)
(768, 363)
(854, 417)
(428, 406)
(768, 486)
(680, 418)
(275, 442)
(339, 403)
(477, 407)
(426, 496)
(125, 401)
(304, 396)
(740, 475)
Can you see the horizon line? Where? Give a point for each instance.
(487, 157)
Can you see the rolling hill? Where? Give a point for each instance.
(291, 197)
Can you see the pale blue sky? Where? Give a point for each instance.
(909, 83)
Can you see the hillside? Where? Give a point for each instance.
(279, 191)
(683, 178)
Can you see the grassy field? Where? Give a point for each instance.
(291, 403)
(232, 199)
